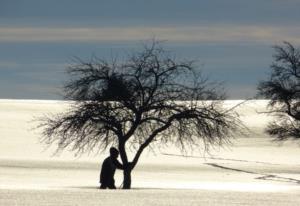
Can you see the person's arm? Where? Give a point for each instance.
(118, 164)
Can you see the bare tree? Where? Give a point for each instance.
(150, 98)
(283, 90)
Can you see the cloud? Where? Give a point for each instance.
(8, 64)
(241, 91)
(229, 33)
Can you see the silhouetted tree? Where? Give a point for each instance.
(283, 90)
(149, 98)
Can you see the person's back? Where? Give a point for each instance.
(107, 171)
(109, 166)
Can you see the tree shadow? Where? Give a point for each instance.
(229, 168)
(279, 179)
(219, 158)
(263, 177)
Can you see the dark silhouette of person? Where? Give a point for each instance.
(109, 166)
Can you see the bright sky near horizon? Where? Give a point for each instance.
(232, 40)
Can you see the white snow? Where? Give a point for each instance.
(254, 170)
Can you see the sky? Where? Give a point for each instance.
(230, 40)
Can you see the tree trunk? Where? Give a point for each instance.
(127, 178)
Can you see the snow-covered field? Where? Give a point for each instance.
(252, 171)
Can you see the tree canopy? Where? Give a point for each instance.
(283, 90)
(149, 99)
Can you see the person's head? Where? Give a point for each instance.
(114, 153)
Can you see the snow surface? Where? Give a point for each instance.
(252, 171)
